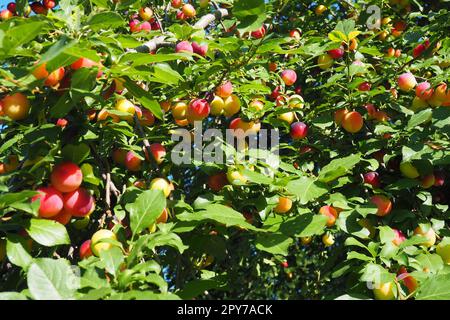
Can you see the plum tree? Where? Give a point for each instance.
(330, 138)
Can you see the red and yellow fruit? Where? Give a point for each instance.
(79, 203)
(51, 201)
(284, 205)
(331, 214)
(66, 177)
(97, 241)
(16, 106)
(161, 184)
(384, 205)
(352, 122)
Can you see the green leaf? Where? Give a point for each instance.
(48, 232)
(76, 153)
(257, 177)
(275, 243)
(112, 259)
(138, 59)
(88, 174)
(16, 252)
(50, 279)
(250, 13)
(20, 34)
(243, 8)
(304, 225)
(144, 211)
(163, 73)
(377, 274)
(347, 27)
(105, 20)
(197, 287)
(339, 167)
(435, 288)
(12, 296)
(307, 189)
(219, 213)
(419, 118)
(15, 197)
(6, 145)
(144, 98)
(337, 36)
(166, 239)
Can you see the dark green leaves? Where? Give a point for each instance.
(48, 232)
(50, 279)
(250, 13)
(307, 189)
(105, 20)
(144, 211)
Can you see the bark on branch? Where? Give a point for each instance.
(207, 19)
(162, 41)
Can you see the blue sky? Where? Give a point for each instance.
(4, 3)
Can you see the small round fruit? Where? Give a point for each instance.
(235, 177)
(66, 177)
(385, 291)
(299, 130)
(96, 241)
(407, 81)
(408, 170)
(63, 217)
(383, 204)
(232, 105)
(158, 152)
(16, 106)
(306, 240)
(217, 181)
(284, 205)
(428, 232)
(328, 239)
(352, 122)
(217, 106)
(289, 77)
(225, 90)
(51, 201)
(79, 203)
(325, 61)
(329, 212)
(443, 249)
(160, 184)
(132, 161)
(85, 249)
(339, 116)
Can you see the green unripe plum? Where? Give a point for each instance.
(408, 170)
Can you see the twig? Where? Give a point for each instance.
(216, 6)
(148, 155)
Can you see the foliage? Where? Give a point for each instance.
(229, 243)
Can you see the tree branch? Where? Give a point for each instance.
(209, 18)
